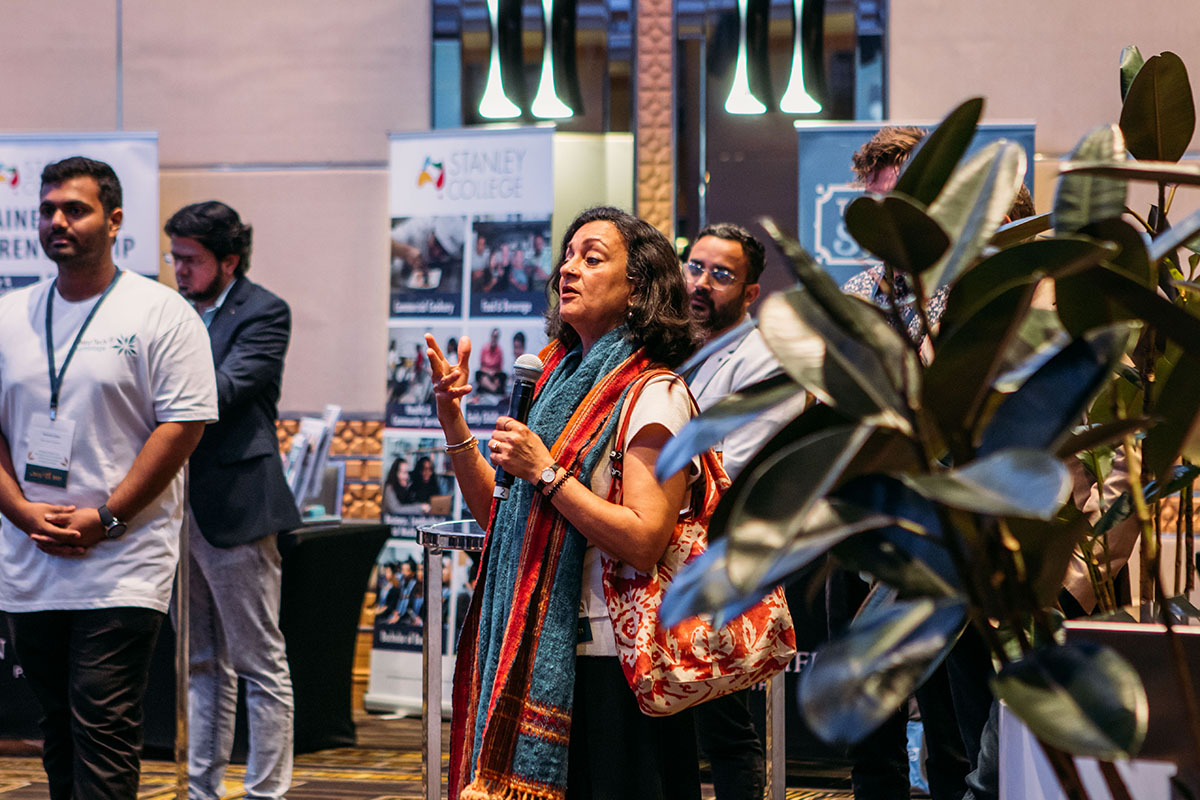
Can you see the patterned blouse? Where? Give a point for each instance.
(868, 285)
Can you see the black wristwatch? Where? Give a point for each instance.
(113, 527)
(546, 477)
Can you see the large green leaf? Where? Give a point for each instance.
(1079, 697)
(1131, 63)
(938, 154)
(910, 555)
(1082, 198)
(1150, 171)
(1015, 266)
(1045, 409)
(896, 230)
(1046, 550)
(773, 507)
(703, 585)
(1178, 408)
(857, 681)
(827, 523)
(1131, 257)
(1099, 434)
(1179, 234)
(1039, 339)
(972, 206)
(1158, 116)
(1008, 483)
(967, 359)
(827, 360)
(819, 417)
(860, 321)
(729, 414)
(1145, 304)
(1019, 230)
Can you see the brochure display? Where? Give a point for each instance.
(133, 156)
(471, 250)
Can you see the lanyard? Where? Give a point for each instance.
(56, 377)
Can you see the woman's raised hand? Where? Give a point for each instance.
(449, 380)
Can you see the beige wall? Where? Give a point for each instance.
(1053, 62)
(281, 109)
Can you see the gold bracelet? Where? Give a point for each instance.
(557, 485)
(461, 447)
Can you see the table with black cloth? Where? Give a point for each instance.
(325, 574)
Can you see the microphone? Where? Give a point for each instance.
(526, 371)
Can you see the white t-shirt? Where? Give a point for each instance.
(144, 359)
(664, 401)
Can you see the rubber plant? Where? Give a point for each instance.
(940, 470)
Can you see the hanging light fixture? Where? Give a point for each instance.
(796, 99)
(546, 103)
(741, 100)
(495, 103)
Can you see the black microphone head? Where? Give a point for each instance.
(528, 367)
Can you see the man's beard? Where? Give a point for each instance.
(720, 317)
(204, 294)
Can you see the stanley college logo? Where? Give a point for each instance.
(432, 172)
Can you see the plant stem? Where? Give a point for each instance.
(1116, 784)
(1066, 772)
(1185, 512)
(1149, 543)
(1149, 228)
(1160, 221)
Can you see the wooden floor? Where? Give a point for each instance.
(386, 765)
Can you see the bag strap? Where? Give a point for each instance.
(616, 457)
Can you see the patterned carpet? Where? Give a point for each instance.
(385, 766)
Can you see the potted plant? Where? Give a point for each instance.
(942, 472)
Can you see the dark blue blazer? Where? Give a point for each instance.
(238, 490)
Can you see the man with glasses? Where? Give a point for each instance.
(240, 500)
(722, 274)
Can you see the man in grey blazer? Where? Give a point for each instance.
(722, 274)
(239, 500)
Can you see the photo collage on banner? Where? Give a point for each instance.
(133, 156)
(470, 250)
(469, 230)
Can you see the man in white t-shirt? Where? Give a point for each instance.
(106, 383)
(722, 274)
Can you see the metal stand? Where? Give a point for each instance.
(456, 535)
(181, 653)
(776, 782)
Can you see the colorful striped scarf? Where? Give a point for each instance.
(515, 672)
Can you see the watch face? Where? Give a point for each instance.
(116, 531)
(548, 474)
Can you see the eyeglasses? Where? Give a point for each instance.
(721, 276)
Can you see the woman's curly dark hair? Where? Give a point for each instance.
(658, 317)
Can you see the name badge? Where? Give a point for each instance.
(49, 458)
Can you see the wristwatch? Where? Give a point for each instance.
(113, 527)
(546, 476)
